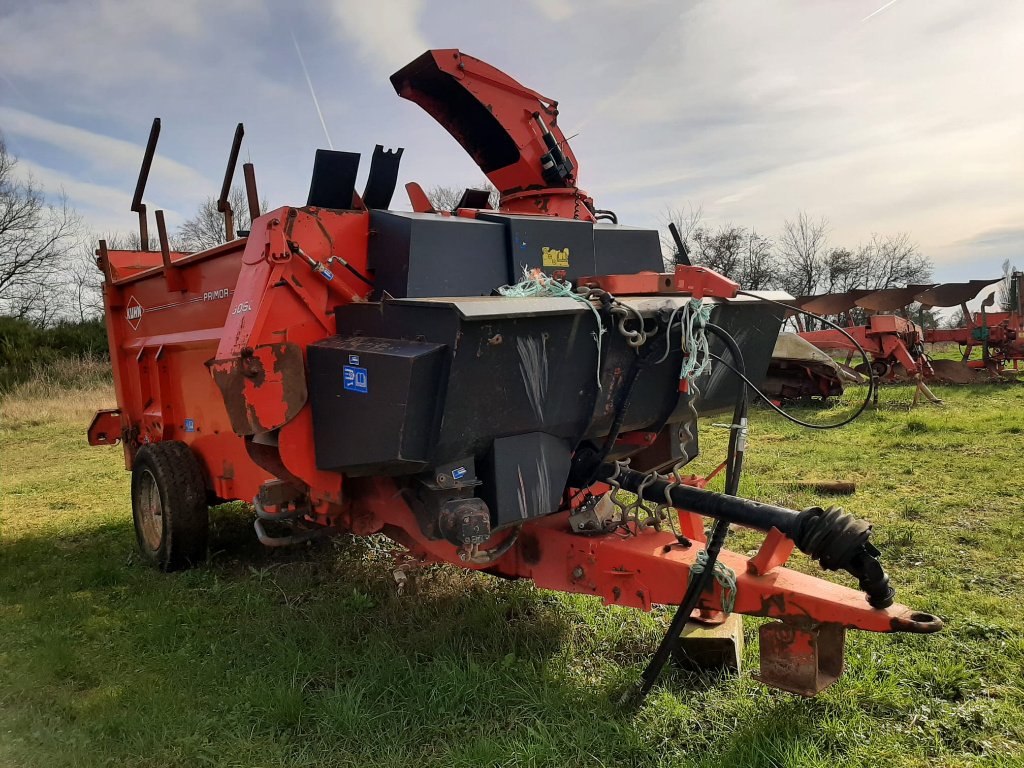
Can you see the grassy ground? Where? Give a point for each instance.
(314, 657)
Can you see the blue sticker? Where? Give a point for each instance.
(353, 359)
(190, 425)
(459, 473)
(355, 379)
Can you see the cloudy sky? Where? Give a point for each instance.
(882, 116)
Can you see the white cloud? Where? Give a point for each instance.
(555, 10)
(63, 36)
(103, 208)
(99, 151)
(906, 122)
(759, 110)
(385, 33)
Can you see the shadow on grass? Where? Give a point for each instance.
(311, 655)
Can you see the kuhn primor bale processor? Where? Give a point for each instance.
(350, 368)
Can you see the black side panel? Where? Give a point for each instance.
(376, 403)
(524, 476)
(755, 326)
(380, 185)
(626, 250)
(547, 243)
(417, 255)
(334, 179)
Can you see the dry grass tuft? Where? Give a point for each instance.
(70, 389)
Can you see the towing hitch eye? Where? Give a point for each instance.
(835, 539)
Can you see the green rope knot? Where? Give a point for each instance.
(724, 575)
(536, 283)
(696, 355)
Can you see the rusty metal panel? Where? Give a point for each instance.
(264, 389)
(891, 299)
(952, 294)
(832, 303)
(801, 659)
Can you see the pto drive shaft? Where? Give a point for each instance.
(838, 541)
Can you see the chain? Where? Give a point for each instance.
(635, 338)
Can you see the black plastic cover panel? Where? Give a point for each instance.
(524, 476)
(334, 179)
(375, 403)
(415, 255)
(547, 243)
(626, 250)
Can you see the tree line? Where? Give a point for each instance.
(801, 260)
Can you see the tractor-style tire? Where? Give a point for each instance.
(169, 509)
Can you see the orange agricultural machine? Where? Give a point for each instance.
(999, 335)
(349, 368)
(896, 345)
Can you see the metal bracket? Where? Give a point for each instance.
(801, 660)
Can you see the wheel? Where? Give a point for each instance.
(169, 508)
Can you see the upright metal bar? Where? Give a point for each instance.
(223, 203)
(252, 196)
(140, 186)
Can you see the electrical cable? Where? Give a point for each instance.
(872, 379)
(788, 416)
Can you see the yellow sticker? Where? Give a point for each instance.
(553, 257)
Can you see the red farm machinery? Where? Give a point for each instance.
(895, 344)
(349, 368)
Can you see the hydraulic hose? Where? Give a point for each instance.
(837, 540)
(700, 582)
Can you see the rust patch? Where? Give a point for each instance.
(917, 622)
(264, 389)
(774, 605)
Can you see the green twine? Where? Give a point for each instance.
(696, 355)
(724, 575)
(536, 283)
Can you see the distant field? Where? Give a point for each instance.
(312, 657)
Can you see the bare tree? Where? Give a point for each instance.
(84, 286)
(444, 198)
(760, 264)
(891, 261)
(735, 252)
(35, 240)
(720, 250)
(687, 221)
(206, 228)
(801, 254)
(841, 272)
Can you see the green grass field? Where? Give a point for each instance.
(314, 657)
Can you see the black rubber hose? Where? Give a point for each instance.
(682, 615)
(872, 379)
(837, 540)
(737, 432)
(641, 361)
(700, 582)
